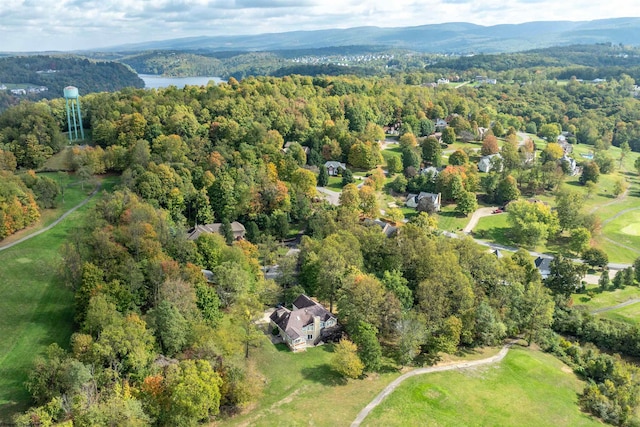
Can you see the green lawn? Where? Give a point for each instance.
(606, 298)
(527, 388)
(450, 220)
(36, 307)
(629, 314)
(394, 151)
(301, 389)
(494, 228)
(335, 183)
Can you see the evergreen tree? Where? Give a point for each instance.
(323, 176)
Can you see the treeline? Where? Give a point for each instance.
(22, 196)
(88, 76)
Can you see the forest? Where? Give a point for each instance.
(156, 343)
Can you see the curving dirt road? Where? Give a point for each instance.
(54, 223)
(456, 365)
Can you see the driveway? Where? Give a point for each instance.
(479, 213)
(333, 197)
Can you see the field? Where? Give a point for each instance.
(629, 314)
(527, 389)
(607, 298)
(36, 307)
(294, 384)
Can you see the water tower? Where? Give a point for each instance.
(74, 115)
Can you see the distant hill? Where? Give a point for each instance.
(448, 37)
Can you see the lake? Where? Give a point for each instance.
(156, 82)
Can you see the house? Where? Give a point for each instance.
(387, 228)
(305, 325)
(573, 166)
(306, 149)
(440, 125)
(487, 162)
(430, 170)
(237, 228)
(443, 81)
(562, 142)
(334, 168)
(497, 253)
(413, 199)
(544, 266)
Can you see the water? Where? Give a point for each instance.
(156, 82)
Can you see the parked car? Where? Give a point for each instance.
(497, 211)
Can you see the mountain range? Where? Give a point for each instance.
(457, 37)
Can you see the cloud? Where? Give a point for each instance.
(80, 24)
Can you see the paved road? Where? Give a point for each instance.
(420, 371)
(56, 222)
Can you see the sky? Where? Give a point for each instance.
(40, 25)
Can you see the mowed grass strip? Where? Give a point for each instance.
(36, 307)
(527, 388)
(301, 389)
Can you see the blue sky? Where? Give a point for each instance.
(37, 25)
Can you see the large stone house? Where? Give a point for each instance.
(305, 325)
(237, 228)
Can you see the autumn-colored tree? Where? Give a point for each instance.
(345, 359)
(489, 145)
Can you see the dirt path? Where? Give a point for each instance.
(622, 212)
(456, 365)
(54, 223)
(614, 307)
(333, 197)
(479, 213)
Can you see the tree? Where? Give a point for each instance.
(579, 240)
(394, 164)
(569, 208)
(636, 269)
(552, 152)
(466, 203)
(171, 328)
(538, 309)
(432, 151)
(636, 165)
(396, 283)
(507, 190)
(489, 329)
(497, 129)
(345, 359)
(458, 158)
(549, 131)
(408, 141)
(226, 231)
(595, 257)
(604, 281)
(411, 331)
(369, 350)
(448, 135)
(620, 186)
(193, 388)
(410, 158)
(347, 177)
(604, 162)
(531, 222)
(590, 173)
(565, 277)
(625, 149)
(489, 145)
(323, 176)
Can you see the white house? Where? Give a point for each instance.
(334, 168)
(413, 199)
(486, 163)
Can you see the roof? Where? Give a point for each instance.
(195, 232)
(335, 165)
(387, 228)
(434, 197)
(543, 264)
(292, 322)
(304, 301)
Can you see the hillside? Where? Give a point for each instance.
(447, 37)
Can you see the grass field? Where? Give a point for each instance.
(302, 390)
(629, 314)
(526, 389)
(494, 228)
(606, 298)
(36, 307)
(450, 220)
(73, 194)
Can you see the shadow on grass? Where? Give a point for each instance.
(323, 374)
(496, 234)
